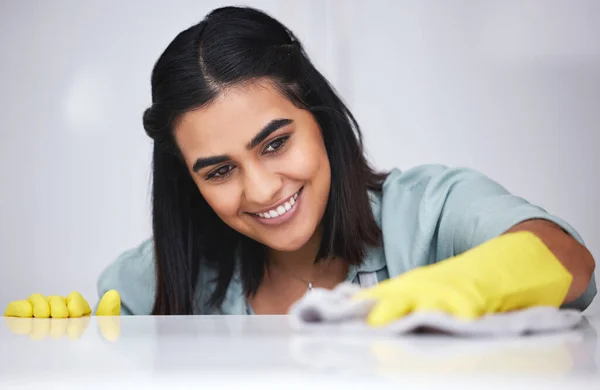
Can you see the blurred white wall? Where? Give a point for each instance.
(510, 88)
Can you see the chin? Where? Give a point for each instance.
(288, 246)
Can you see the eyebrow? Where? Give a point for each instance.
(266, 131)
(269, 129)
(202, 163)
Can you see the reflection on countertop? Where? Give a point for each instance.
(200, 347)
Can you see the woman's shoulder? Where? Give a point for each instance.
(423, 175)
(407, 186)
(132, 274)
(433, 181)
(410, 208)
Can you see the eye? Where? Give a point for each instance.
(220, 173)
(275, 145)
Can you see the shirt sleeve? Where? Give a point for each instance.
(477, 209)
(133, 276)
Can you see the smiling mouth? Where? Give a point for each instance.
(281, 209)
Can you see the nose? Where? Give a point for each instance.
(261, 186)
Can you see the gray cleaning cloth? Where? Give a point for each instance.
(333, 311)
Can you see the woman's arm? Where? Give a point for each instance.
(573, 256)
(454, 210)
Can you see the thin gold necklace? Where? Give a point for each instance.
(307, 282)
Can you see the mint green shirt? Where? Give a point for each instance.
(426, 214)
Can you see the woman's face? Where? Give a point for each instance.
(260, 163)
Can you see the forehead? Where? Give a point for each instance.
(232, 119)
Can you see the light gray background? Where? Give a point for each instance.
(511, 88)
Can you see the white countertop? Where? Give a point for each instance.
(264, 352)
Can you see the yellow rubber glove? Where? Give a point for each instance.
(58, 307)
(110, 304)
(74, 306)
(22, 309)
(511, 272)
(77, 305)
(48, 307)
(40, 306)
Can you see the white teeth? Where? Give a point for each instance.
(287, 206)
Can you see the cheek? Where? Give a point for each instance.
(222, 199)
(305, 162)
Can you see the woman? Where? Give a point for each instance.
(261, 190)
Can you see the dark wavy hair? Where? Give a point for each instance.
(234, 45)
